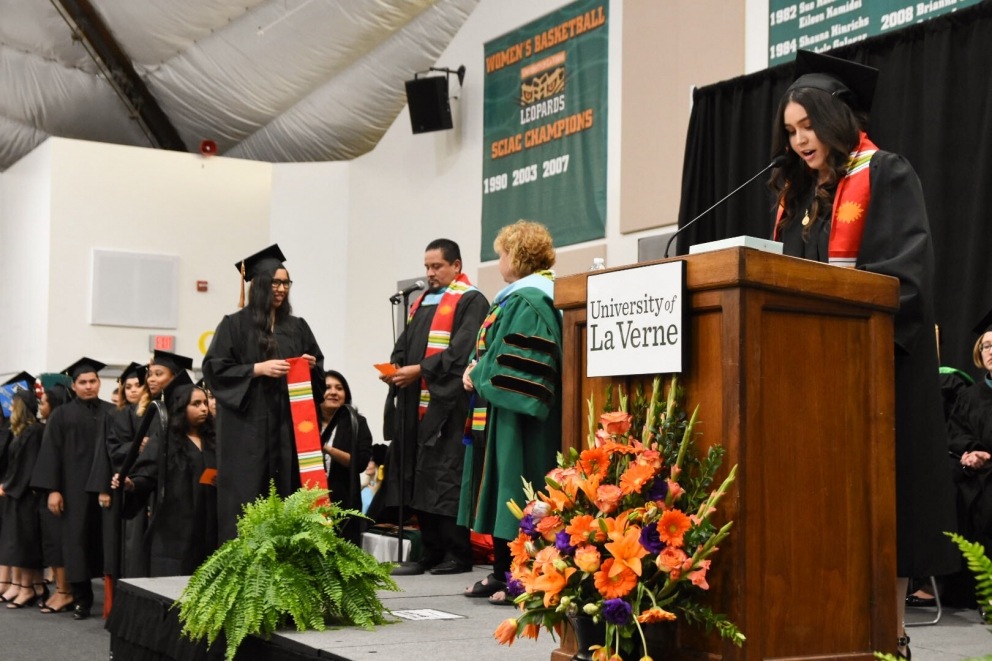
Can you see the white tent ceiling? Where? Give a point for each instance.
(268, 80)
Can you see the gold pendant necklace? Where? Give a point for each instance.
(806, 218)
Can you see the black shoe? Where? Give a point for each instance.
(450, 567)
(917, 602)
(81, 612)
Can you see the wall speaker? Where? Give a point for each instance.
(427, 99)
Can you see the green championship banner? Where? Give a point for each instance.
(544, 126)
(820, 25)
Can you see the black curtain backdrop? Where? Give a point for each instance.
(933, 105)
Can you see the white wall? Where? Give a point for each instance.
(309, 220)
(209, 211)
(25, 220)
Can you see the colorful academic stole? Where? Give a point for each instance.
(305, 427)
(439, 335)
(851, 205)
(847, 224)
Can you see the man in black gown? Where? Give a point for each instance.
(75, 431)
(432, 435)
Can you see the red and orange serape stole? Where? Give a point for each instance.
(305, 426)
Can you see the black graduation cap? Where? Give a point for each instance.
(24, 378)
(177, 388)
(852, 83)
(133, 370)
(83, 366)
(173, 361)
(266, 260)
(984, 324)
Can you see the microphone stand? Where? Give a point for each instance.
(401, 567)
(777, 162)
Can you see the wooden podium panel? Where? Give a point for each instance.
(791, 363)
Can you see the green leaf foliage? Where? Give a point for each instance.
(287, 565)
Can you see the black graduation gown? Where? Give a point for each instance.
(73, 434)
(20, 536)
(343, 481)
(255, 440)
(896, 242)
(970, 429)
(122, 424)
(433, 448)
(182, 530)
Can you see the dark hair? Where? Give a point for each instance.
(449, 249)
(260, 307)
(344, 382)
(836, 126)
(179, 426)
(57, 395)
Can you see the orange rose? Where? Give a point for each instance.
(587, 559)
(608, 497)
(615, 422)
(671, 559)
(549, 527)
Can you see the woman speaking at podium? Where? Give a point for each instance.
(844, 201)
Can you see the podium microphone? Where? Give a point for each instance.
(398, 296)
(777, 162)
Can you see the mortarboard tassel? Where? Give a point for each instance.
(241, 301)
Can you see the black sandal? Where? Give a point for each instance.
(901, 643)
(487, 587)
(65, 608)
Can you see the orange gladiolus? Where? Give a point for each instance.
(672, 526)
(594, 463)
(616, 585)
(655, 614)
(506, 632)
(627, 551)
(608, 497)
(698, 577)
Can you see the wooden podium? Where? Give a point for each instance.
(791, 362)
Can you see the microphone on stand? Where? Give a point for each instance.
(777, 162)
(398, 296)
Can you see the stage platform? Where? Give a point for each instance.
(466, 634)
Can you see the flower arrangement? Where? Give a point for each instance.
(622, 530)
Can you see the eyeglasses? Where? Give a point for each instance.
(276, 284)
(986, 346)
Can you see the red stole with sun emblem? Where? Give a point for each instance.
(305, 428)
(439, 335)
(850, 205)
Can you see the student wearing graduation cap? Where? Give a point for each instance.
(179, 468)
(20, 535)
(74, 434)
(246, 368)
(844, 201)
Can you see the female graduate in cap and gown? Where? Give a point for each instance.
(844, 201)
(246, 368)
(179, 470)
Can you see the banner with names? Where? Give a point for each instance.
(634, 321)
(544, 125)
(819, 25)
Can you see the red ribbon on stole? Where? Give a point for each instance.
(305, 426)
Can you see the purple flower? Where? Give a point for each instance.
(528, 526)
(562, 543)
(617, 611)
(651, 540)
(514, 588)
(658, 490)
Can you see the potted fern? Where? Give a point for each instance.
(287, 564)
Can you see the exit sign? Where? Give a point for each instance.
(162, 343)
